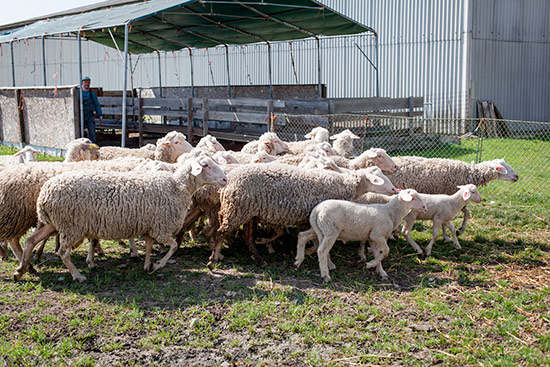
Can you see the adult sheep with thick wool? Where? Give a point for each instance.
(111, 205)
(343, 143)
(283, 195)
(268, 142)
(442, 176)
(20, 186)
(316, 136)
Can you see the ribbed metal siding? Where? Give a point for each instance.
(510, 50)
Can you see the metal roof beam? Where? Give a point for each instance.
(190, 32)
(183, 45)
(251, 35)
(264, 3)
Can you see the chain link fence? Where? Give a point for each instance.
(524, 145)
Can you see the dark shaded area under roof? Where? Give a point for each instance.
(169, 25)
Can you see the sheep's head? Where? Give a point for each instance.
(208, 171)
(345, 135)
(470, 192)
(176, 141)
(262, 157)
(379, 182)
(27, 154)
(82, 149)
(319, 134)
(272, 144)
(209, 142)
(381, 159)
(414, 200)
(505, 172)
(225, 157)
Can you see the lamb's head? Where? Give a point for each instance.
(272, 144)
(379, 183)
(319, 134)
(505, 172)
(210, 142)
(319, 160)
(151, 147)
(82, 149)
(379, 158)
(345, 135)
(413, 200)
(207, 172)
(326, 148)
(224, 157)
(27, 154)
(262, 157)
(177, 142)
(470, 192)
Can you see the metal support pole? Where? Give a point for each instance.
(319, 66)
(269, 66)
(80, 98)
(124, 82)
(377, 67)
(44, 60)
(12, 64)
(160, 76)
(192, 75)
(227, 64)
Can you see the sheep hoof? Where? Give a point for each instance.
(32, 270)
(79, 278)
(17, 276)
(420, 252)
(326, 278)
(211, 265)
(297, 263)
(457, 246)
(156, 267)
(91, 265)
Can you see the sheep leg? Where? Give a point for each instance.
(64, 253)
(57, 243)
(323, 251)
(133, 248)
(3, 253)
(148, 248)
(98, 249)
(379, 269)
(452, 229)
(279, 231)
(94, 243)
(192, 216)
(435, 229)
(248, 234)
(466, 217)
(41, 233)
(406, 231)
(303, 238)
(173, 248)
(380, 250)
(216, 248)
(361, 251)
(13, 243)
(313, 249)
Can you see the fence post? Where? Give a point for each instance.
(411, 114)
(204, 117)
(21, 115)
(189, 120)
(270, 119)
(140, 122)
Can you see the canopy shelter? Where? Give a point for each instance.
(167, 25)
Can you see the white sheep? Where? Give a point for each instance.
(110, 205)
(317, 135)
(283, 195)
(210, 143)
(441, 210)
(82, 149)
(343, 143)
(151, 147)
(268, 142)
(225, 157)
(333, 220)
(27, 154)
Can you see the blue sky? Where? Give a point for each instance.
(14, 11)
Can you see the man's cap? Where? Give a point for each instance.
(86, 78)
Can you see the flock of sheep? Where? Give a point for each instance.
(162, 191)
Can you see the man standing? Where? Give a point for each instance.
(91, 105)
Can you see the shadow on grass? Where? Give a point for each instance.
(187, 282)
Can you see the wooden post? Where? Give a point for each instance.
(20, 106)
(140, 121)
(270, 119)
(189, 120)
(76, 112)
(411, 114)
(204, 117)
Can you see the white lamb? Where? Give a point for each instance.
(333, 220)
(343, 142)
(27, 154)
(441, 209)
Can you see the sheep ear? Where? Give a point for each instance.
(375, 180)
(308, 135)
(371, 154)
(501, 169)
(167, 142)
(267, 143)
(467, 194)
(196, 168)
(355, 136)
(406, 196)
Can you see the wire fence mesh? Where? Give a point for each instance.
(524, 145)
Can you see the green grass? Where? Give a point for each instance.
(487, 304)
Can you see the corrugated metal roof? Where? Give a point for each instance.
(175, 24)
